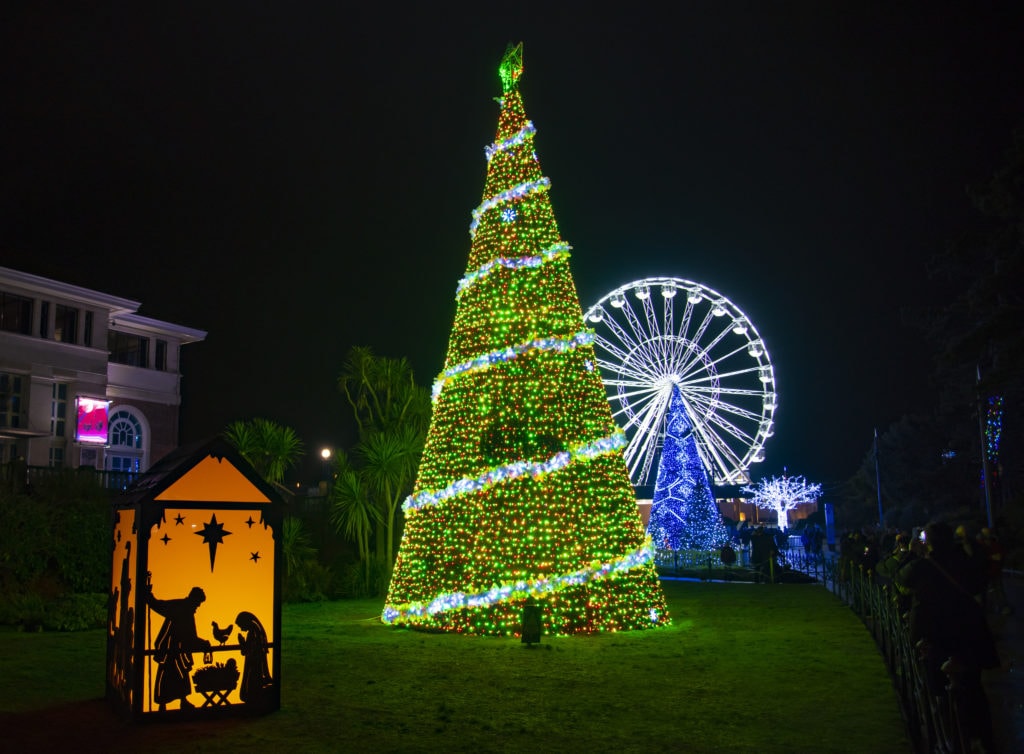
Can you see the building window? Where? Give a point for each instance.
(59, 409)
(87, 334)
(160, 356)
(15, 313)
(10, 401)
(125, 452)
(65, 329)
(124, 464)
(57, 457)
(125, 348)
(125, 431)
(44, 319)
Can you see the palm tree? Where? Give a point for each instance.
(353, 512)
(382, 392)
(392, 413)
(271, 448)
(295, 545)
(390, 460)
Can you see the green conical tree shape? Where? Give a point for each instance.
(522, 490)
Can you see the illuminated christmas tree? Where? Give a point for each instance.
(522, 490)
(684, 514)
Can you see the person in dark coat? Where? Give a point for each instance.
(762, 553)
(950, 628)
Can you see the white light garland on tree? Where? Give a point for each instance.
(783, 494)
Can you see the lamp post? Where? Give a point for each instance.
(325, 453)
(986, 471)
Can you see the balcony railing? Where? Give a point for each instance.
(22, 478)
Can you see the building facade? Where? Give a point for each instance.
(85, 381)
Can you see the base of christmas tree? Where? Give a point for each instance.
(612, 604)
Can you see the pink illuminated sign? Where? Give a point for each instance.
(91, 421)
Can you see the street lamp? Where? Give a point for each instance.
(325, 453)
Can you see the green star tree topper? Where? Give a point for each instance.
(522, 490)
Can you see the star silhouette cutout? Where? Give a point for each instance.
(165, 539)
(255, 557)
(250, 522)
(213, 534)
(179, 520)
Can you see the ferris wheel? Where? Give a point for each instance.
(655, 333)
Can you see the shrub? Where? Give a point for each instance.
(32, 611)
(76, 612)
(308, 581)
(60, 532)
(356, 583)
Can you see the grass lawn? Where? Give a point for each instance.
(743, 668)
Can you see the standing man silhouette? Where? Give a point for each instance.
(174, 645)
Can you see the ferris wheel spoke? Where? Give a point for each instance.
(738, 413)
(634, 388)
(709, 370)
(721, 394)
(641, 335)
(626, 370)
(736, 392)
(716, 459)
(714, 403)
(628, 343)
(658, 342)
(731, 356)
(637, 352)
(722, 452)
(636, 399)
(637, 365)
(629, 375)
(684, 323)
(697, 336)
(738, 433)
(601, 344)
(717, 414)
(667, 327)
(725, 330)
(644, 443)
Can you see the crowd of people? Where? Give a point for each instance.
(945, 581)
(980, 559)
(764, 546)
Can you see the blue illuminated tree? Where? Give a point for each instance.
(684, 514)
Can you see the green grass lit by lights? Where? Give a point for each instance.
(743, 668)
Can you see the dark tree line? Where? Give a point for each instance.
(930, 463)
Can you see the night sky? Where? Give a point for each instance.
(297, 178)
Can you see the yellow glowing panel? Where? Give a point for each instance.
(216, 481)
(122, 606)
(229, 555)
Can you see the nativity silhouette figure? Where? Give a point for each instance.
(175, 644)
(256, 678)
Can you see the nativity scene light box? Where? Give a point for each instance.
(194, 620)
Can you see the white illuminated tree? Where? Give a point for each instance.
(783, 494)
